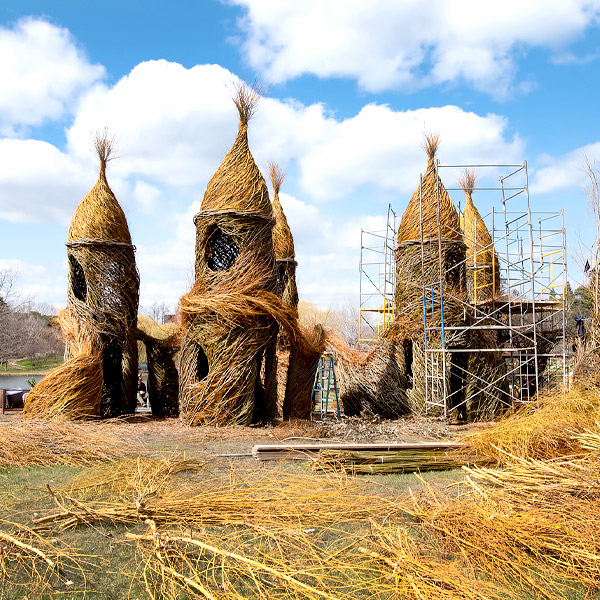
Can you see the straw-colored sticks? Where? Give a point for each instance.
(45, 443)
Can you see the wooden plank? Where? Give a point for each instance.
(305, 451)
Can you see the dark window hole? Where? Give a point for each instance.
(201, 365)
(112, 372)
(221, 251)
(78, 279)
(282, 275)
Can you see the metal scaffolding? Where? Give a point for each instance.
(525, 311)
(377, 280)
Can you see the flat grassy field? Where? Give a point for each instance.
(30, 366)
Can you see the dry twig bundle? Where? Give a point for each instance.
(397, 461)
(532, 528)
(541, 432)
(282, 500)
(43, 443)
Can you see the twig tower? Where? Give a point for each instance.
(283, 244)
(228, 349)
(99, 322)
(430, 249)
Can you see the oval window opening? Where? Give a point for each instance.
(78, 281)
(282, 275)
(202, 367)
(221, 251)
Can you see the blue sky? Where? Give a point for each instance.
(352, 87)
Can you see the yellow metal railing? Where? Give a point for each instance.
(385, 317)
(547, 268)
(478, 287)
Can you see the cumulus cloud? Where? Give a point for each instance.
(42, 72)
(387, 44)
(174, 125)
(39, 183)
(381, 146)
(560, 173)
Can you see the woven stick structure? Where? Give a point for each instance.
(283, 243)
(483, 269)
(227, 329)
(304, 354)
(420, 219)
(100, 320)
(302, 366)
(374, 383)
(429, 239)
(162, 345)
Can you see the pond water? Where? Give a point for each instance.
(16, 382)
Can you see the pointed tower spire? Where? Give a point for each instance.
(423, 205)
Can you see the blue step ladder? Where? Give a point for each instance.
(325, 383)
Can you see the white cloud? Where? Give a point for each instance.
(562, 173)
(42, 72)
(146, 195)
(172, 124)
(389, 44)
(38, 183)
(381, 147)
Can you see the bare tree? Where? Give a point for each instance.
(342, 320)
(24, 333)
(592, 192)
(157, 311)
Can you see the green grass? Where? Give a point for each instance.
(30, 365)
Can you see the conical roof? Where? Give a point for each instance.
(431, 186)
(238, 184)
(99, 216)
(283, 241)
(476, 235)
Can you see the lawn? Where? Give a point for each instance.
(37, 366)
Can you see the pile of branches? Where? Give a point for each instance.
(39, 442)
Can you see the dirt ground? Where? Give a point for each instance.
(150, 433)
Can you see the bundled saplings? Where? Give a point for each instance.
(99, 323)
(304, 351)
(228, 326)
